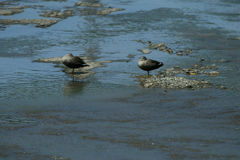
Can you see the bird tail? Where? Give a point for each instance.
(160, 64)
(85, 65)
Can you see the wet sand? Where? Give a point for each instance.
(107, 114)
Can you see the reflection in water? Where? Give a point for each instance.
(12, 119)
(73, 87)
(79, 74)
(91, 33)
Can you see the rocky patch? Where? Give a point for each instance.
(40, 22)
(58, 14)
(170, 79)
(12, 10)
(108, 11)
(164, 48)
(89, 4)
(145, 51)
(80, 73)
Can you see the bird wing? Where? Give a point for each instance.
(152, 62)
(78, 60)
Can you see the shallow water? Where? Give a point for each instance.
(44, 114)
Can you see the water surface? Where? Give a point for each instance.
(44, 114)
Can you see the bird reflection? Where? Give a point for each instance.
(73, 87)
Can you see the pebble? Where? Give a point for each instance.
(89, 4)
(58, 14)
(224, 60)
(164, 48)
(188, 50)
(108, 11)
(39, 22)
(173, 82)
(179, 53)
(11, 12)
(168, 79)
(214, 73)
(170, 51)
(145, 51)
(223, 87)
(176, 68)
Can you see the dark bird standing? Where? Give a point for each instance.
(148, 64)
(73, 62)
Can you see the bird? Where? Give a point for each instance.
(73, 61)
(148, 64)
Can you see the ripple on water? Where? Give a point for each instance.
(12, 119)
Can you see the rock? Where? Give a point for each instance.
(145, 51)
(11, 12)
(89, 4)
(201, 59)
(152, 46)
(2, 28)
(39, 22)
(161, 44)
(192, 73)
(149, 42)
(170, 69)
(189, 86)
(131, 55)
(87, 70)
(223, 87)
(18, 7)
(163, 48)
(147, 85)
(49, 60)
(176, 68)
(170, 51)
(4, 3)
(170, 78)
(224, 60)
(179, 53)
(58, 14)
(108, 11)
(188, 50)
(172, 82)
(214, 73)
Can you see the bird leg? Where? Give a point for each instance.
(73, 71)
(148, 72)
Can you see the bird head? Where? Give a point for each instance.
(142, 58)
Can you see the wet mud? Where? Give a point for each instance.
(79, 73)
